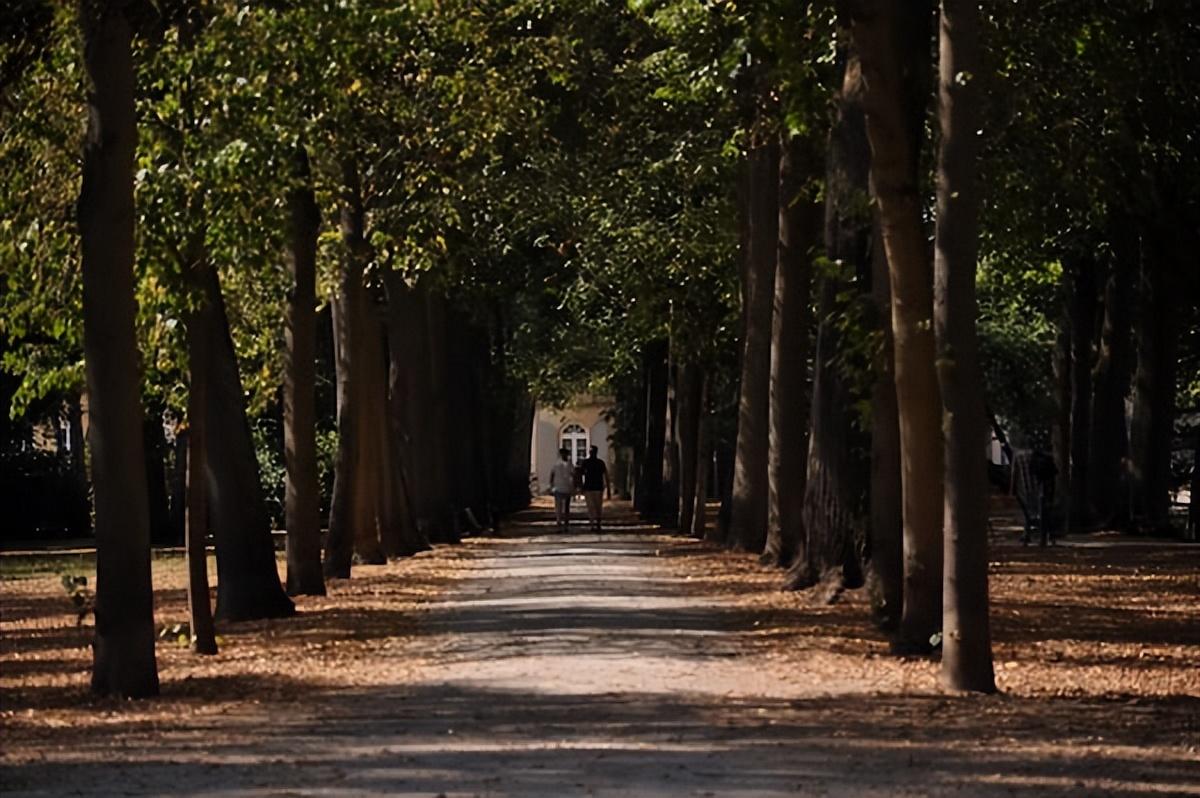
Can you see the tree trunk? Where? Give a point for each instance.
(200, 619)
(347, 332)
(1153, 417)
(123, 662)
(445, 524)
(649, 493)
(370, 392)
(688, 398)
(667, 512)
(966, 639)
(1061, 429)
(1082, 280)
(301, 490)
(1111, 380)
(800, 218)
(889, 104)
(836, 471)
(248, 584)
(704, 461)
(886, 577)
(748, 518)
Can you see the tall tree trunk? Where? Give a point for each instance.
(836, 471)
(445, 526)
(348, 332)
(1082, 276)
(966, 636)
(748, 519)
(1153, 417)
(203, 634)
(248, 585)
(704, 460)
(886, 578)
(123, 651)
(667, 513)
(370, 389)
(800, 222)
(1061, 428)
(886, 52)
(301, 490)
(1111, 380)
(649, 493)
(723, 458)
(688, 398)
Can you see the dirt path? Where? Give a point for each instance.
(606, 665)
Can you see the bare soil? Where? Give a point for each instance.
(626, 663)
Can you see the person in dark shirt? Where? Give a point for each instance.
(595, 486)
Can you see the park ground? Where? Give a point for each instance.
(629, 663)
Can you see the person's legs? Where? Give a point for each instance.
(562, 510)
(595, 501)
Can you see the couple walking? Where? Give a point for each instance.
(590, 476)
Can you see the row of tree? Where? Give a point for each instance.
(400, 224)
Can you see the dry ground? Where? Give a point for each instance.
(629, 663)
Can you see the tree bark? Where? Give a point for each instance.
(1081, 274)
(748, 518)
(966, 636)
(344, 516)
(886, 576)
(800, 222)
(200, 619)
(301, 489)
(704, 461)
(648, 495)
(837, 471)
(1153, 417)
(445, 527)
(248, 585)
(688, 398)
(123, 651)
(878, 29)
(667, 513)
(1111, 381)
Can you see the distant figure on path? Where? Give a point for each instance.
(1033, 474)
(562, 485)
(595, 485)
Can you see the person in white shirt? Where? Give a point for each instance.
(562, 485)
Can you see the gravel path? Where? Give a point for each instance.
(589, 665)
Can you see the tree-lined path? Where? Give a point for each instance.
(625, 664)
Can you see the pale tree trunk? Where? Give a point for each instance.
(748, 517)
(966, 636)
(800, 223)
(301, 489)
(877, 29)
(1111, 380)
(123, 650)
(886, 575)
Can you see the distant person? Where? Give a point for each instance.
(595, 485)
(562, 486)
(1033, 475)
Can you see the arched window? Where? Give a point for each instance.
(574, 439)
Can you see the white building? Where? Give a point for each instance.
(576, 427)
